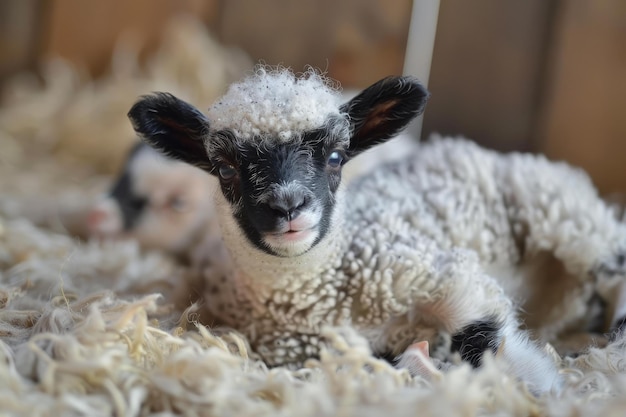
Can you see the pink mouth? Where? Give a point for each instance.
(294, 235)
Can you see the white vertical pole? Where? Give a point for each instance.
(419, 47)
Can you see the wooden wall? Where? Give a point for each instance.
(356, 41)
(488, 64)
(538, 75)
(543, 76)
(584, 115)
(20, 31)
(85, 31)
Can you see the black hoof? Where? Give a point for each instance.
(475, 339)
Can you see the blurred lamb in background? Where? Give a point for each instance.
(161, 203)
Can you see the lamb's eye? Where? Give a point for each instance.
(137, 204)
(227, 172)
(335, 159)
(177, 203)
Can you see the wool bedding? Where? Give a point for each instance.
(104, 328)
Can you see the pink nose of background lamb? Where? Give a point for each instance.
(104, 219)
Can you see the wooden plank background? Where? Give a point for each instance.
(584, 117)
(85, 31)
(20, 31)
(487, 68)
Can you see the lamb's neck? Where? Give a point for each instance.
(261, 272)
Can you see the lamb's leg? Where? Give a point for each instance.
(451, 288)
(555, 208)
(416, 358)
(285, 348)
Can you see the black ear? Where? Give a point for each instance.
(172, 126)
(382, 110)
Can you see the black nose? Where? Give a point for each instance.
(288, 206)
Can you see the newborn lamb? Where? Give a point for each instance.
(160, 202)
(401, 253)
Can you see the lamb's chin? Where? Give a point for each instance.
(291, 243)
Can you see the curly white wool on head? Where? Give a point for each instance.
(276, 104)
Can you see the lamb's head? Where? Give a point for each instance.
(277, 142)
(159, 202)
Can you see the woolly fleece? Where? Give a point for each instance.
(275, 103)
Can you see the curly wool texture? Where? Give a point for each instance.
(276, 104)
(520, 213)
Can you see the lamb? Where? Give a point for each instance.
(399, 254)
(162, 203)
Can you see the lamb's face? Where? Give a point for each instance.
(277, 143)
(282, 194)
(157, 201)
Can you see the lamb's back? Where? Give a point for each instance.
(447, 191)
